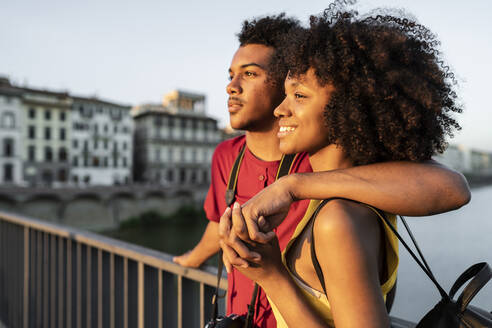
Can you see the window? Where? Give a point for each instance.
(124, 145)
(8, 147)
(47, 133)
(62, 154)
(105, 143)
(125, 163)
(31, 153)
(62, 175)
(115, 129)
(86, 145)
(48, 154)
(96, 128)
(75, 161)
(75, 143)
(96, 144)
(32, 113)
(62, 116)
(105, 162)
(170, 175)
(95, 161)
(47, 114)
(32, 132)
(8, 172)
(8, 120)
(105, 128)
(62, 134)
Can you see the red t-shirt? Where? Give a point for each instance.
(254, 175)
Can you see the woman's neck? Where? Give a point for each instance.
(329, 158)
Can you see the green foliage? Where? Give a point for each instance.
(184, 215)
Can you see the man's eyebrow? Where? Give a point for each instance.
(252, 64)
(249, 64)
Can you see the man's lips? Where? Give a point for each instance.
(234, 105)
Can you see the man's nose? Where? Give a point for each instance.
(234, 87)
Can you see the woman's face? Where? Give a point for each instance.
(301, 124)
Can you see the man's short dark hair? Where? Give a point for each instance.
(269, 31)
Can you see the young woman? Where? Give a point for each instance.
(359, 91)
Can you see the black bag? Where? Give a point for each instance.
(450, 313)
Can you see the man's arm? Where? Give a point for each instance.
(206, 248)
(406, 188)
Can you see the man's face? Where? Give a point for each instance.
(252, 97)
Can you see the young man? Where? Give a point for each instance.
(255, 90)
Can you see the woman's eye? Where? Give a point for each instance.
(299, 96)
(231, 77)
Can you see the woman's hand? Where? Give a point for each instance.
(260, 262)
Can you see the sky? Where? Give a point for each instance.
(133, 52)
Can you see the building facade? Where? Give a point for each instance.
(46, 137)
(174, 141)
(10, 134)
(101, 146)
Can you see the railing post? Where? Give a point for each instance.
(159, 300)
(180, 301)
(99, 289)
(141, 282)
(125, 292)
(26, 277)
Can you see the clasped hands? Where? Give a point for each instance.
(246, 233)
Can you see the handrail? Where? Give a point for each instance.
(163, 261)
(54, 275)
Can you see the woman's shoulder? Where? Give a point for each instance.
(344, 214)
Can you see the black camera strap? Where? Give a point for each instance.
(284, 168)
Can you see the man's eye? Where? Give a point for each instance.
(231, 77)
(299, 96)
(248, 73)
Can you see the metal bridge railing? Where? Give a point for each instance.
(57, 276)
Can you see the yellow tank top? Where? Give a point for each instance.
(318, 299)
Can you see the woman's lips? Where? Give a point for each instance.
(285, 130)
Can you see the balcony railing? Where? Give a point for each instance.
(56, 276)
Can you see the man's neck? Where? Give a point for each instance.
(264, 145)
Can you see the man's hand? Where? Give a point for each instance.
(235, 251)
(186, 260)
(264, 212)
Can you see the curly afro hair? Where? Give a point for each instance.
(270, 31)
(393, 96)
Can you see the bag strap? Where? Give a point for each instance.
(230, 194)
(216, 295)
(314, 258)
(422, 264)
(481, 275)
(284, 168)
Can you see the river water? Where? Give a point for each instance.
(451, 242)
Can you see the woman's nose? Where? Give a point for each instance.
(282, 109)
